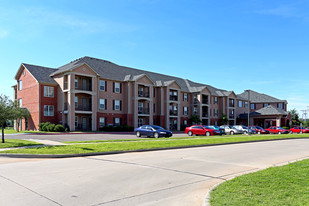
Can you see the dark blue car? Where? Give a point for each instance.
(152, 131)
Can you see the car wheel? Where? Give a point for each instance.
(138, 134)
(190, 133)
(259, 132)
(301, 132)
(207, 134)
(291, 132)
(232, 133)
(279, 132)
(156, 135)
(245, 132)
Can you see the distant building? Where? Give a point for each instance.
(89, 93)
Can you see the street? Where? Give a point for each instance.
(170, 177)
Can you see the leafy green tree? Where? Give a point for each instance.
(295, 117)
(224, 119)
(195, 118)
(9, 110)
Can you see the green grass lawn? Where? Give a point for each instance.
(17, 143)
(285, 185)
(140, 144)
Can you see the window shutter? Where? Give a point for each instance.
(120, 87)
(120, 104)
(113, 104)
(105, 102)
(113, 86)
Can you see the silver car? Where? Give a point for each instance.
(244, 129)
(231, 130)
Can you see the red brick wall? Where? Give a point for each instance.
(49, 101)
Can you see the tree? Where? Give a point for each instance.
(195, 118)
(224, 119)
(10, 111)
(295, 117)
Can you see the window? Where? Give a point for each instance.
(76, 122)
(216, 112)
(280, 105)
(48, 91)
(215, 100)
(102, 103)
(20, 85)
(185, 97)
(102, 122)
(185, 122)
(239, 103)
(48, 110)
(76, 82)
(117, 121)
(117, 87)
(252, 106)
(102, 85)
(195, 110)
(185, 110)
(20, 103)
(116, 104)
(76, 102)
(246, 104)
(265, 105)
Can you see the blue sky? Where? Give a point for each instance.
(234, 45)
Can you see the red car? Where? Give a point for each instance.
(259, 130)
(277, 130)
(201, 130)
(298, 130)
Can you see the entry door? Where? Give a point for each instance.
(84, 84)
(84, 102)
(84, 125)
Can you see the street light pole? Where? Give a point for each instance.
(248, 111)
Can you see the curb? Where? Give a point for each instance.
(130, 151)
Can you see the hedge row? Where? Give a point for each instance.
(48, 127)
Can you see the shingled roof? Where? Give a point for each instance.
(41, 74)
(269, 111)
(256, 97)
(116, 72)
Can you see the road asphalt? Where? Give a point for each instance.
(170, 177)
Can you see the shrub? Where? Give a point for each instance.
(59, 128)
(51, 128)
(41, 126)
(45, 126)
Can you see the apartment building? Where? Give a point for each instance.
(89, 93)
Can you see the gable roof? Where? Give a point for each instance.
(41, 74)
(256, 97)
(269, 110)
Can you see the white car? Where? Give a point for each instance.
(231, 130)
(244, 129)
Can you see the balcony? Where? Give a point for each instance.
(84, 88)
(205, 114)
(83, 108)
(173, 98)
(205, 99)
(231, 116)
(173, 112)
(143, 94)
(231, 104)
(143, 110)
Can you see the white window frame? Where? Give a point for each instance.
(240, 103)
(185, 97)
(246, 104)
(20, 85)
(117, 121)
(252, 106)
(185, 110)
(102, 122)
(48, 110)
(117, 105)
(117, 87)
(102, 102)
(48, 91)
(102, 84)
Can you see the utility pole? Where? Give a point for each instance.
(248, 111)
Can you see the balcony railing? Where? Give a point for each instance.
(83, 108)
(205, 101)
(143, 94)
(195, 101)
(143, 110)
(231, 116)
(84, 88)
(205, 114)
(173, 98)
(173, 112)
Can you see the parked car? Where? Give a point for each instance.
(259, 130)
(298, 130)
(231, 130)
(277, 130)
(152, 131)
(222, 131)
(244, 129)
(201, 130)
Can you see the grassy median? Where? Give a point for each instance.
(17, 143)
(137, 144)
(285, 185)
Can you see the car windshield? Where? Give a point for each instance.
(156, 127)
(259, 127)
(244, 127)
(279, 128)
(234, 127)
(301, 128)
(207, 127)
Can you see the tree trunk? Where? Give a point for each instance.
(3, 134)
(17, 125)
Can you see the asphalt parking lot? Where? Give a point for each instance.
(79, 136)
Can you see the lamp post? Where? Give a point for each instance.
(248, 110)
